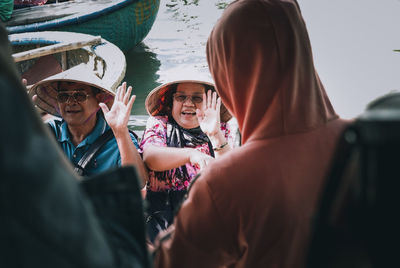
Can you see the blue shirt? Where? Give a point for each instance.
(107, 157)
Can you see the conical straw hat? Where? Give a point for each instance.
(47, 94)
(157, 104)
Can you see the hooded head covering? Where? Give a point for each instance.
(256, 202)
(265, 76)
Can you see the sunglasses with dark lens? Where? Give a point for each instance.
(183, 98)
(78, 96)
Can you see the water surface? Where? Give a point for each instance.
(175, 47)
(352, 41)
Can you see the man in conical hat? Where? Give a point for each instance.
(77, 95)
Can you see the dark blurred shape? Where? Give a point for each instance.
(357, 223)
(47, 220)
(117, 201)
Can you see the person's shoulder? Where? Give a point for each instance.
(162, 118)
(56, 128)
(55, 124)
(156, 121)
(234, 169)
(223, 181)
(224, 167)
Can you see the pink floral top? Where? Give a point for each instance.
(156, 134)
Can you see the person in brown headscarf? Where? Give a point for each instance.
(253, 207)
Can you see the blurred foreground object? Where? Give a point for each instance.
(47, 218)
(357, 223)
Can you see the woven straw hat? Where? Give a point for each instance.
(47, 95)
(156, 101)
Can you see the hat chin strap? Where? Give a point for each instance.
(106, 100)
(91, 116)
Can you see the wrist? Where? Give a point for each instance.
(190, 152)
(217, 140)
(120, 132)
(221, 147)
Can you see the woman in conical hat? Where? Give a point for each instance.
(186, 130)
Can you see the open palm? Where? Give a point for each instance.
(209, 115)
(118, 116)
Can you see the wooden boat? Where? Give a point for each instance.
(39, 55)
(124, 23)
(64, 50)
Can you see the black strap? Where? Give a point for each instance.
(134, 134)
(93, 149)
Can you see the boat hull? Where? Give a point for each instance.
(124, 23)
(105, 59)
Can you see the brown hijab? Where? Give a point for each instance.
(253, 206)
(264, 71)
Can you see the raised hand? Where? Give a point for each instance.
(209, 115)
(25, 84)
(118, 116)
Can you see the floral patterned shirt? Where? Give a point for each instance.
(156, 134)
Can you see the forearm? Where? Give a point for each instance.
(129, 154)
(160, 158)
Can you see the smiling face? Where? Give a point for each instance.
(184, 113)
(78, 113)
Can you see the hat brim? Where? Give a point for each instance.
(46, 94)
(156, 105)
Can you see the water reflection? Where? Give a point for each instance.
(141, 73)
(346, 51)
(174, 48)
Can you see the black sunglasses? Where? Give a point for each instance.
(182, 98)
(78, 96)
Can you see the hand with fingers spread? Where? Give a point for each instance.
(118, 116)
(209, 115)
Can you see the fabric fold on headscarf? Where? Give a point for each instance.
(270, 84)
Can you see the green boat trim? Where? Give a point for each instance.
(124, 22)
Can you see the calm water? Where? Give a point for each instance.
(353, 43)
(174, 48)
